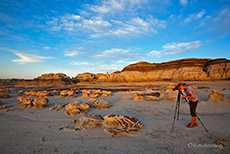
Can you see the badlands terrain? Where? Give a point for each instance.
(128, 111)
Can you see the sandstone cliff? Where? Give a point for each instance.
(179, 70)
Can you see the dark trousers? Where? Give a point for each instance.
(193, 106)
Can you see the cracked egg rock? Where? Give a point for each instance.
(124, 123)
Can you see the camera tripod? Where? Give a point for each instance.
(177, 109)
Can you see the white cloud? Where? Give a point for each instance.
(154, 53)
(175, 48)
(108, 24)
(79, 63)
(25, 57)
(112, 53)
(183, 2)
(71, 53)
(134, 26)
(76, 23)
(109, 6)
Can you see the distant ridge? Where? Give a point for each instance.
(190, 69)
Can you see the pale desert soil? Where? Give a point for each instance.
(24, 130)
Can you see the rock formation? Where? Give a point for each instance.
(178, 70)
(50, 79)
(43, 93)
(216, 96)
(36, 103)
(40, 102)
(76, 108)
(116, 125)
(30, 93)
(99, 103)
(121, 125)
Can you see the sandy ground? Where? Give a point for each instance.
(24, 130)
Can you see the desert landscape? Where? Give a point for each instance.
(128, 111)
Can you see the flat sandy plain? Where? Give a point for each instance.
(24, 130)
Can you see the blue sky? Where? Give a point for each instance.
(77, 36)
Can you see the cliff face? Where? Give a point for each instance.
(184, 69)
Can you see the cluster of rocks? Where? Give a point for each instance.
(36, 103)
(66, 93)
(77, 108)
(151, 95)
(95, 93)
(116, 125)
(31, 93)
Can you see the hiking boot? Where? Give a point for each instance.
(190, 125)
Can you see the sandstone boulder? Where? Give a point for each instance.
(85, 93)
(99, 103)
(84, 122)
(119, 125)
(216, 96)
(116, 125)
(40, 102)
(27, 102)
(43, 93)
(145, 98)
(64, 93)
(106, 93)
(72, 109)
(30, 93)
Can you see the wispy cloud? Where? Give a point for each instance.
(175, 48)
(113, 53)
(25, 57)
(80, 63)
(154, 53)
(221, 21)
(97, 27)
(47, 48)
(114, 6)
(194, 16)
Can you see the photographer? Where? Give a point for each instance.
(193, 100)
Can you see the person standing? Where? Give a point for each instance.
(193, 101)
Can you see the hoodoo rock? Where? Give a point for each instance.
(216, 96)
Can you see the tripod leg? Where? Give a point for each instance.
(178, 111)
(201, 123)
(174, 116)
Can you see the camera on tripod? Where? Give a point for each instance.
(176, 88)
